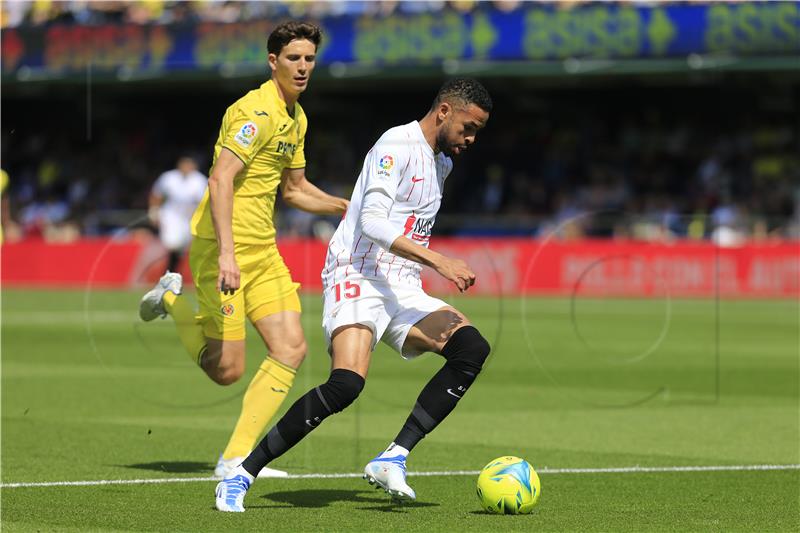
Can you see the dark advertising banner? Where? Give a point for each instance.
(533, 32)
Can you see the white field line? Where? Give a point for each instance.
(540, 471)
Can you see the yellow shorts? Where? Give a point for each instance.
(266, 288)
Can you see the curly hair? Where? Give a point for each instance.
(464, 91)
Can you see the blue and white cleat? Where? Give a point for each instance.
(389, 473)
(151, 305)
(230, 493)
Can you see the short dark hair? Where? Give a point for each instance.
(287, 32)
(464, 91)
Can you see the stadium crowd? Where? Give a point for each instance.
(97, 12)
(624, 168)
(654, 163)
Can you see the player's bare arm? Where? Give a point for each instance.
(343, 203)
(449, 268)
(220, 192)
(154, 202)
(301, 194)
(373, 219)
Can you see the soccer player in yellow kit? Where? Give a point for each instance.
(237, 269)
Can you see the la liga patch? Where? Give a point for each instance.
(385, 165)
(246, 134)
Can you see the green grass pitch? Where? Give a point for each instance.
(91, 394)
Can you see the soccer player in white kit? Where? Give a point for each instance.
(173, 199)
(373, 291)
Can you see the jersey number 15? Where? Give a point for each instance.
(351, 290)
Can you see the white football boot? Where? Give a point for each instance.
(151, 305)
(226, 466)
(230, 493)
(389, 473)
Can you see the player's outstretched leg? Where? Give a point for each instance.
(280, 328)
(166, 299)
(341, 389)
(261, 401)
(465, 352)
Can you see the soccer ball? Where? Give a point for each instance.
(508, 485)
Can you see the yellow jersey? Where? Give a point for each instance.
(260, 131)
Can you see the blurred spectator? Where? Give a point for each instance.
(48, 218)
(493, 193)
(729, 224)
(173, 199)
(96, 12)
(600, 162)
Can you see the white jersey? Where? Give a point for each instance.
(181, 196)
(403, 166)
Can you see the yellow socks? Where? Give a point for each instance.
(264, 395)
(189, 331)
(263, 398)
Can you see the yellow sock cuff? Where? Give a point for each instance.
(169, 300)
(283, 373)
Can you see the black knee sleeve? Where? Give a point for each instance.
(341, 389)
(466, 351)
(308, 412)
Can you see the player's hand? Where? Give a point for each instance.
(228, 279)
(456, 271)
(152, 215)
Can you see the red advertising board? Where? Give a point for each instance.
(99, 261)
(602, 267)
(503, 266)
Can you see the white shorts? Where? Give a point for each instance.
(388, 310)
(175, 232)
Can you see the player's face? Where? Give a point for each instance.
(186, 166)
(459, 127)
(292, 67)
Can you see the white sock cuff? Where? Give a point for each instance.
(395, 449)
(240, 471)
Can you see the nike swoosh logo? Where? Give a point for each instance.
(261, 113)
(451, 393)
(278, 390)
(415, 179)
(311, 425)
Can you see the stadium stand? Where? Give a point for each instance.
(695, 151)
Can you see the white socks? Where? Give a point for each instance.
(240, 471)
(393, 451)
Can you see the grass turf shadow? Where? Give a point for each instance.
(174, 467)
(318, 498)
